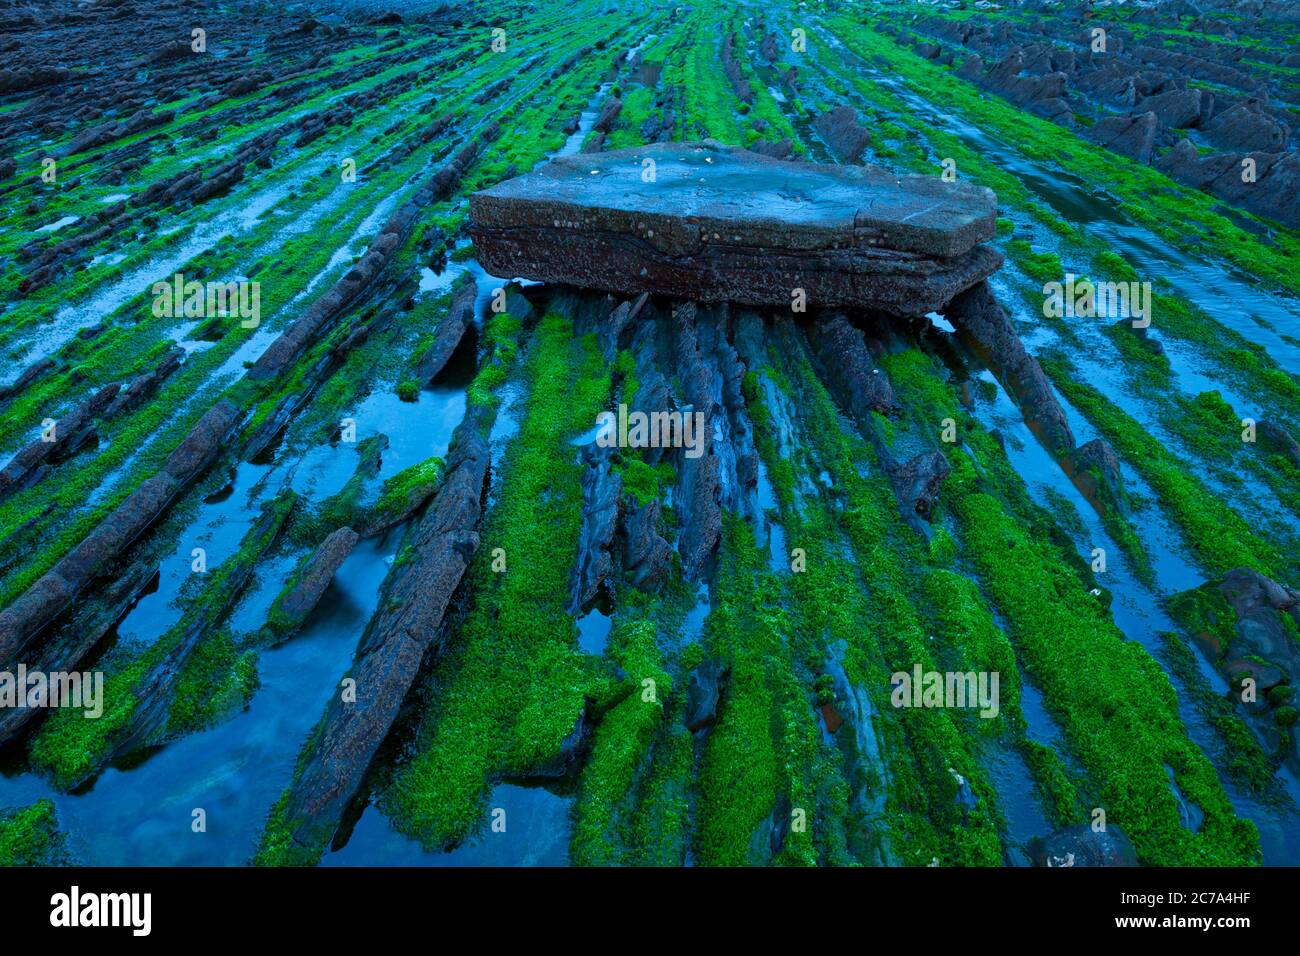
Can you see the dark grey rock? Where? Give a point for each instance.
(703, 693)
(841, 130)
(601, 487)
(450, 331)
(1095, 470)
(725, 224)
(976, 313)
(292, 607)
(850, 368)
(918, 481)
(1083, 846)
(1132, 136)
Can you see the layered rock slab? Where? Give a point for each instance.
(718, 223)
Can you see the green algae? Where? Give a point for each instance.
(71, 746)
(1218, 536)
(621, 742)
(513, 686)
(30, 836)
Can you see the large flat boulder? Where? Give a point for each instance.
(718, 223)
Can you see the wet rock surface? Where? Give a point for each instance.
(1246, 623)
(721, 223)
(919, 479)
(843, 133)
(451, 330)
(865, 770)
(703, 694)
(225, 165)
(153, 719)
(53, 592)
(1096, 472)
(647, 557)
(292, 607)
(1140, 96)
(1258, 605)
(852, 367)
(977, 313)
(612, 330)
(57, 441)
(90, 625)
(1134, 136)
(698, 468)
(1280, 441)
(601, 487)
(389, 656)
(1084, 846)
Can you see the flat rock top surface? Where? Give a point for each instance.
(706, 192)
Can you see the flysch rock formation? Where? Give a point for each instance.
(713, 223)
(719, 223)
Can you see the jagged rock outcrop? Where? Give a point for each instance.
(842, 132)
(617, 322)
(703, 694)
(608, 113)
(850, 367)
(1094, 467)
(1246, 128)
(79, 637)
(699, 482)
(1166, 86)
(1278, 440)
(1246, 623)
(1267, 184)
(1133, 136)
(1180, 108)
(99, 135)
(653, 392)
(918, 480)
(1040, 94)
(647, 557)
(849, 709)
(601, 487)
(1248, 607)
(62, 439)
(778, 149)
(731, 67)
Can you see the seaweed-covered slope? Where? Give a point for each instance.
(374, 572)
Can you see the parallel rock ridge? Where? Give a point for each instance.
(717, 223)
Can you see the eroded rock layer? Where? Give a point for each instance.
(716, 223)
